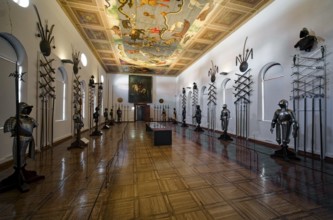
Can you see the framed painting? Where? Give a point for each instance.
(139, 90)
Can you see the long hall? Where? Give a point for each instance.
(122, 175)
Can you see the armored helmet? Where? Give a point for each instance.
(283, 103)
(23, 107)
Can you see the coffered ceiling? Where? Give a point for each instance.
(158, 37)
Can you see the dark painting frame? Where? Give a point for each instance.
(140, 89)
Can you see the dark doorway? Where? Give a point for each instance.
(142, 112)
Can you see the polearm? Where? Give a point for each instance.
(243, 76)
(321, 126)
(243, 83)
(313, 125)
(309, 67)
(244, 91)
(305, 124)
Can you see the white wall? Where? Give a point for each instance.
(163, 88)
(272, 34)
(22, 23)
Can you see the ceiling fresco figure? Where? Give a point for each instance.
(164, 36)
(149, 32)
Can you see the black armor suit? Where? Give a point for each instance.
(25, 130)
(78, 119)
(174, 116)
(224, 117)
(163, 115)
(22, 131)
(197, 117)
(119, 114)
(284, 121)
(106, 118)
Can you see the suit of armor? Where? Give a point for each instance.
(106, 114)
(225, 116)
(163, 115)
(283, 119)
(25, 130)
(119, 114)
(197, 115)
(111, 114)
(96, 115)
(78, 119)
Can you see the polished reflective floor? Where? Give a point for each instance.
(121, 175)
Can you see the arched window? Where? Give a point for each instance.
(61, 90)
(270, 86)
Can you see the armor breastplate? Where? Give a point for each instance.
(225, 113)
(26, 127)
(284, 117)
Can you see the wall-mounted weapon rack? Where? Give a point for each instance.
(242, 95)
(46, 90)
(194, 101)
(309, 100)
(77, 117)
(184, 108)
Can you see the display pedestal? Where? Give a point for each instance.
(19, 180)
(77, 144)
(184, 125)
(225, 137)
(198, 129)
(105, 127)
(285, 153)
(96, 133)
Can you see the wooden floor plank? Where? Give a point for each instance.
(198, 177)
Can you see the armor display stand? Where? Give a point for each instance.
(47, 96)
(242, 95)
(106, 119)
(77, 101)
(309, 100)
(242, 92)
(175, 116)
(224, 117)
(91, 101)
(194, 101)
(21, 127)
(46, 88)
(184, 108)
(111, 122)
(211, 104)
(96, 114)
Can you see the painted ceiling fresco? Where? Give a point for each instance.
(158, 37)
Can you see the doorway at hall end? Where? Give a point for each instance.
(142, 112)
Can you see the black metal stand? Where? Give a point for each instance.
(78, 143)
(198, 129)
(96, 132)
(225, 137)
(285, 153)
(19, 180)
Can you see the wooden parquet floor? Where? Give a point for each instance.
(198, 177)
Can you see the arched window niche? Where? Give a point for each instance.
(269, 91)
(61, 91)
